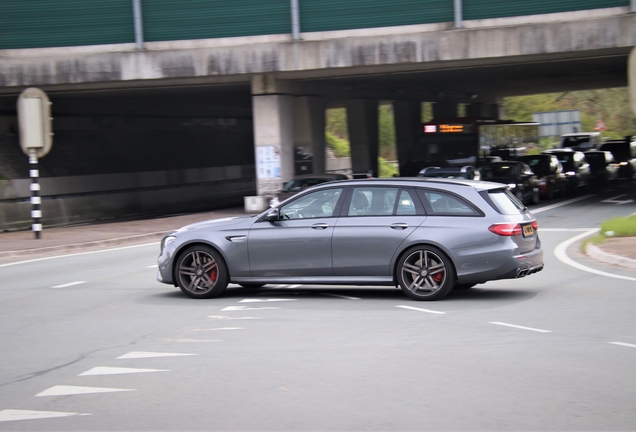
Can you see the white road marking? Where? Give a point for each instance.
(78, 253)
(422, 310)
(340, 296)
(69, 284)
(561, 204)
(145, 354)
(614, 200)
(103, 370)
(560, 253)
(623, 344)
(521, 327)
(293, 286)
(61, 390)
(222, 317)
(14, 414)
(564, 229)
(265, 300)
(219, 328)
(153, 266)
(245, 308)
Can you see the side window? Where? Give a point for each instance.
(321, 204)
(406, 204)
(372, 201)
(445, 204)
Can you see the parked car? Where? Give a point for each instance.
(624, 152)
(425, 235)
(522, 182)
(304, 181)
(575, 167)
(603, 167)
(581, 141)
(467, 172)
(488, 159)
(549, 172)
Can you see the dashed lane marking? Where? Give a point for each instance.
(422, 310)
(623, 344)
(61, 390)
(66, 285)
(153, 266)
(245, 308)
(520, 327)
(145, 354)
(16, 414)
(103, 370)
(253, 300)
(340, 296)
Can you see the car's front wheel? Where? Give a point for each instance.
(425, 273)
(201, 272)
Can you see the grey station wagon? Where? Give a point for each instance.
(425, 235)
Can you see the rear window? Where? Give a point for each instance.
(505, 202)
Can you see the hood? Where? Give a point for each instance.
(217, 223)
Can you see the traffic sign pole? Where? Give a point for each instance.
(36, 200)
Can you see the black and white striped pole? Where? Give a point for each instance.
(36, 200)
(36, 139)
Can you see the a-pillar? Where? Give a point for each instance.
(273, 113)
(407, 117)
(309, 129)
(444, 110)
(362, 122)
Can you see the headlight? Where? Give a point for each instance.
(512, 185)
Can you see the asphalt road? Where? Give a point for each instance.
(93, 342)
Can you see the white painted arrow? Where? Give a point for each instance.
(75, 390)
(614, 200)
(14, 414)
(102, 370)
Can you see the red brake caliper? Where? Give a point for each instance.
(213, 275)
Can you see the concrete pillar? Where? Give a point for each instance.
(273, 134)
(444, 110)
(407, 116)
(309, 129)
(362, 122)
(631, 72)
(483, 110)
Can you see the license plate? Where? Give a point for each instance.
(528, 231)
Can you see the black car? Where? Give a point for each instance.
(521, 181)
(603, 167)
(624, 152)
(550, 173)
(467, 172)
(575, 167)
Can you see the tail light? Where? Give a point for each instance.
(535, 225)
(505, 229)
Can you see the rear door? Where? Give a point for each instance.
(374, 222)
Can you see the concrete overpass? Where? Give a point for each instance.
(276, 87)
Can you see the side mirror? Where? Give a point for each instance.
(273, 215)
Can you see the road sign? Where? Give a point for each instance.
(600, 126)
(34, 118)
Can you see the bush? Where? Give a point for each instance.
(339, 146)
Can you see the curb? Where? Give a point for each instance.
(599, 254)
(74, 247)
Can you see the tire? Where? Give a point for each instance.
(251, 285)
(425, 273)
(463, 286)
(201, 272)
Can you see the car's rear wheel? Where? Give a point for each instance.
(425, 273)
(201, 272)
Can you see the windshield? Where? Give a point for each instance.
(538, 165)
(576, 141)
(491, 171)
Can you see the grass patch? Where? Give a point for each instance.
(615, 227)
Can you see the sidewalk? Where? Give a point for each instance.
(22, 245)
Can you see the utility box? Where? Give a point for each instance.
(255, 204)
(34, 119)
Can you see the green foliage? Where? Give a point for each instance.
(386, 132)
(609, 105)
(386, 169)
(339, 146)
(615, 227)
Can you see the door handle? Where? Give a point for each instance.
(399, 225)
(320, 226)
